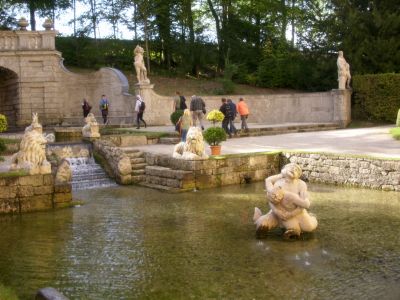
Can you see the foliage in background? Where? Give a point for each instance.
(175, 116)
(3, 123)
(214, 135)
(376, 97)
(395, 132)
(7, 293)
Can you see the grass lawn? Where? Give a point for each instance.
(395, 132)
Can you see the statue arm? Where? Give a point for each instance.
(270, 181)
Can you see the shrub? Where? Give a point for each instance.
(398, 119)
(395, 132)
(214, 136)
(215, 116)
(3, 123)
(3, 146)
(376, 97)
(175, 116)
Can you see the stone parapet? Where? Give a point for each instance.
(366, 172)
(163, 170)
(32, 193)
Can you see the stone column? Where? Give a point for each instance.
(341, 106)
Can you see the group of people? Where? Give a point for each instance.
(104, 106)
(197, 109)
(230, 111)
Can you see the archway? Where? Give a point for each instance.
(9, 95)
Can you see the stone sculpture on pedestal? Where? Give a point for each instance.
(288, 200)
(140, 68)
(344, 76)
(91, 129)
(32, 154)
(193, 148)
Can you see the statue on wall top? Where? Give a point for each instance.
(140, 68)
(32, 154)
(344, 76)
(288, 199)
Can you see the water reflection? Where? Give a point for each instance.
(135, 243)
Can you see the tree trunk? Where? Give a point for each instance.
(219, 35)
(32, 15)
(284, 20)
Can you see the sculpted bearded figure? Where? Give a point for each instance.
(193, 148)
(140, 68)
(344, 76)
(288, 199)
(91, 129)
(32, 154)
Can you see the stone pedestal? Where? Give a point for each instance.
(342, 106)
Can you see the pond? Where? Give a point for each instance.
(137, 243)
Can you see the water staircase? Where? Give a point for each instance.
(87, 174)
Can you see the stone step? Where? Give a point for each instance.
(138, 172)
(160, 187)
(166, 172)
(135, 154)
(169, 140)
(139, 160)
(168, 182)
(138, 178)
(139, 166)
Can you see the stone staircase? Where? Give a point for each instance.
(138, 163)
(164, 178)
(273, 130)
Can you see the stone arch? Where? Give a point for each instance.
(9, 95)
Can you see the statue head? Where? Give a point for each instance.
(340, 53)
(138, 50)
(292, 171)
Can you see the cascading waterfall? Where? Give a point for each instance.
(87, 174)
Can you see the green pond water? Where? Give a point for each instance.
(137, 243)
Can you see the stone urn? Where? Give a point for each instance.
(48, 24)
(23, 23)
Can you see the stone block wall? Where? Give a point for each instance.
(118, 163)
(214, 172)
(32, 193)
(348, 170)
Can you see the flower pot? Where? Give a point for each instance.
(215, 150)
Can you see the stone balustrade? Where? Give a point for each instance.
(27, 40)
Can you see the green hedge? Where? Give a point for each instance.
(376, 97)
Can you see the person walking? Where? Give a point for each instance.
(225, 109)
(139, 109)
(86, 108)
(185, 123)
(232, 116)
(198, 110)
(243, 111)
(104, 106)
(179, 102)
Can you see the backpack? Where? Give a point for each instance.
(142, 106)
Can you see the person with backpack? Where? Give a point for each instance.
(86, 108)
(139, 109)
(104, 106)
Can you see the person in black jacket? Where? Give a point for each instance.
(225, 109)
(232, 116)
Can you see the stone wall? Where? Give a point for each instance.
(118, 163)
(348, 170)
(32, 193)
(214, 172)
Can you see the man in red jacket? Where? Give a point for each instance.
(243, 111)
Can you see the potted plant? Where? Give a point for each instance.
(215, 135)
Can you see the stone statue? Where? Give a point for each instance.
(193, 148)
(344, 76)
(140, 68)
(91, 129)
(64, 173)
(288, 199)
(32, 154)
